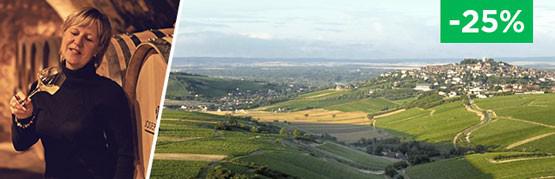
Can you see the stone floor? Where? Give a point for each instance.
(28, 164)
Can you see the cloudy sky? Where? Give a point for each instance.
(354, 29)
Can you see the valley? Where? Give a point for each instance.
(385, 127)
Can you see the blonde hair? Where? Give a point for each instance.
(88, 16)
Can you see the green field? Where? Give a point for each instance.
(197, 134)
(176, 169)
(520, 118)
(226, 143)
(305, 166)
(346, 100)
(546, 144)
(480, 166)
(317, 99)
(182, 85)
(345, 126)
(435, 125)
(522, 121)
(357, 157)
(194, 133)
(536, 108)
(502, 132)
(456, 168)
(176, 88)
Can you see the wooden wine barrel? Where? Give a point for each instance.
(144, 80)
(120, 50)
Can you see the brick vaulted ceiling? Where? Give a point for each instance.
(128, 15)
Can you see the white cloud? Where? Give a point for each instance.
(258, 35)
(339, 29)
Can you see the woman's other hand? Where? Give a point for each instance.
(21, 110)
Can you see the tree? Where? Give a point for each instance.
(306, 115)
(219, 172)
(221, 126)
(254, 129)
(333, 115)
(283, 132)
(297, 133)
(378, 150)
(390, 171)
(234, 122)
(481, 149)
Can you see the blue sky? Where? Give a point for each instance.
(353, 29)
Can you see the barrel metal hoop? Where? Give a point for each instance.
(124, 48)
(157, 33)
(135, 39)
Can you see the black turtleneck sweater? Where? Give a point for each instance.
(85, 128)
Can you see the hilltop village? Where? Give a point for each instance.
(479, 78)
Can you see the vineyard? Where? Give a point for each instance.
(191, 144)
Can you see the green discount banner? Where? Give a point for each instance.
(487, 21)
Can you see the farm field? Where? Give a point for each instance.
(343, 132)
(176, 168)
(509, 132)
(307, 116)
(193, 135)
(481, 166)
(503, 132)
(525, 122)
(357, 157)
(306, 166)
(332, 99)
(317, 99)
(369, 105)
(345, 126)
(546, 144)
(435, 125)
(535, 108)
(449, 169)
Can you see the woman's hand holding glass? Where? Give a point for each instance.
(22, 110)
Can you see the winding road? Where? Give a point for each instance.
(485, 118)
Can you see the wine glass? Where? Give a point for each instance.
(49, 80)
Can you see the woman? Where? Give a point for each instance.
(85, 127)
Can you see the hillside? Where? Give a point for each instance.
(483, 166)
(476, 122)
(224, 93)
(510, 133)
(192, 144)
(521, 131)
(183, 85)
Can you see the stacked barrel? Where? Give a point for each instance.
(136, 61)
